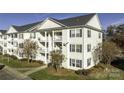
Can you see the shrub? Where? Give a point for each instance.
(84, 72)
(50, 65)
(6, 55)
(38, 61)
(13, 57)
(24, 59)
(1, 53)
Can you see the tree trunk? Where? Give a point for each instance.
(28, 59)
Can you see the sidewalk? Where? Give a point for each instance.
(35, 70)
(15, 74)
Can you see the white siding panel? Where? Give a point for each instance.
(11, 30)
(49, 24)
(94, 22)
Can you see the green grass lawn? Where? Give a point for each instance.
(97, 73)
(17, 64)
(51, 74)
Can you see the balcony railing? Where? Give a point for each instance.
(58, 38)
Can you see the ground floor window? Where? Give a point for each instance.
(88, 62)
(72, 62)
(79, 63)
(75, 63)
(20, 54)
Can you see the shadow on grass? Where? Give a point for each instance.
(118, 63)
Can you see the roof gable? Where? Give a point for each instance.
(95, 22)
(50, 23)
(11, 30)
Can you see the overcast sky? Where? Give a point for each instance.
(8, 19)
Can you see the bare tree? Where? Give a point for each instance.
(97, 54)
(57, 58)
(109, 52)
(29, 49)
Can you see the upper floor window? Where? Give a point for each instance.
(72, 48)
(72, 33)
(32, 35)
(88, 33)
(88, 47)
(5, 36)
(79, 48)
(1, 36)
(15, 44)
(5, 44)
(79, 33)
(99, 35)
(88, 62)
(15, 35)
(21, 45)
(21, 36)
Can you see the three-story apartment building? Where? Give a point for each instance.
(76, 37)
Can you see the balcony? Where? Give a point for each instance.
(42, 39)
(58, 38)
(44, 50)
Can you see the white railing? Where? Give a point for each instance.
(57, 38)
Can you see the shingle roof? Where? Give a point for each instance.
(26, 27)
(3, 31)
(76, 21)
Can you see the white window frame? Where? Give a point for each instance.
(72, 33)
(72, 47)
(88, 62)
(99, 35)
(78, 32)
(72, 62)
(88, 47)
(79, 63)
(21, 36)
(89, 33)
(79, 48)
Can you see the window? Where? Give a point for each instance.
(15, 44)
(12, 42)
(79, 33)
(20, 36)
(5, 44)
(5, 51)
(21, 45)
(78, 48)
(12, 50)
(72, 48)
(88, 33)
(15, 35)
(88, 47)
(99, 35)
(20, 54)
(88, 62)
(32, 35)
(79, 63)
(72, 62)
(72, 33)
(5, 37)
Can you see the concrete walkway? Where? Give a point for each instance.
(35, 70)
(10, 74)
